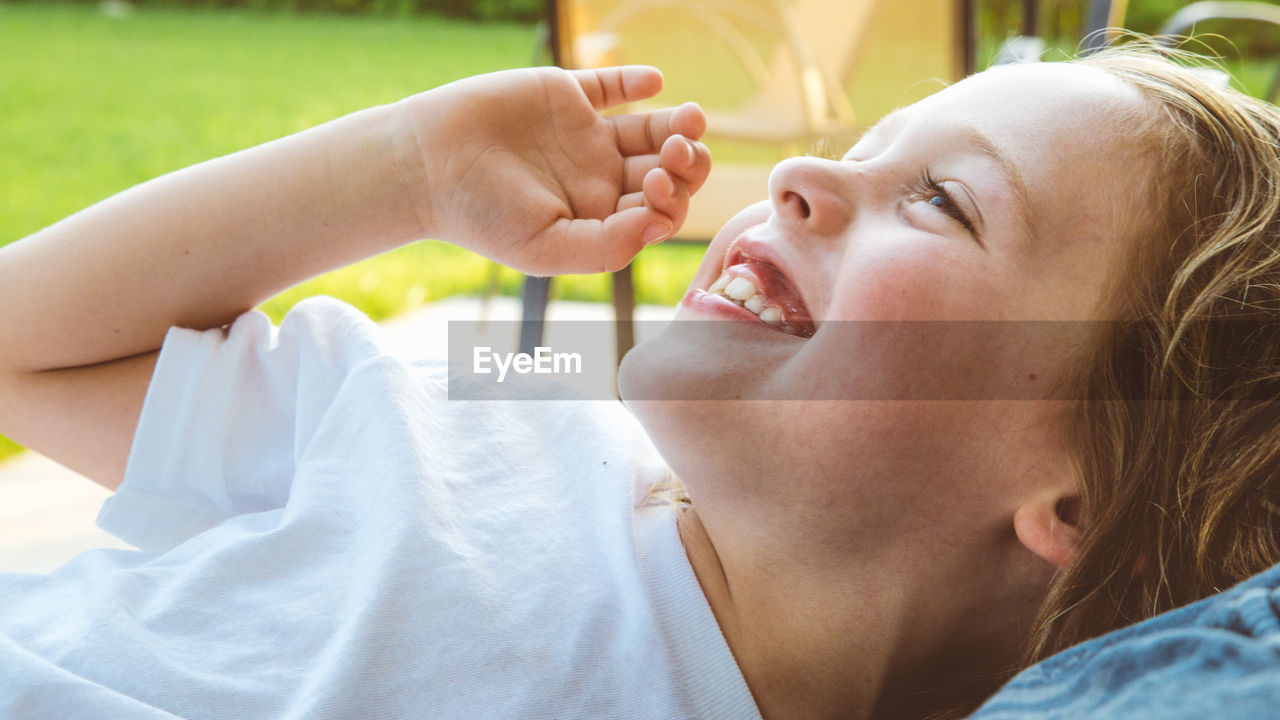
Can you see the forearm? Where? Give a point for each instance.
(198, 247)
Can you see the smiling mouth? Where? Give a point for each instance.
(762, 289)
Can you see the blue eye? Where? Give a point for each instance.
(936, 195)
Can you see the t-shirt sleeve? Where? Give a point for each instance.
(227, 414)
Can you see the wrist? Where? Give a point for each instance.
(368, 181)
(410, 145)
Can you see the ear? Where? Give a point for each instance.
(1050, 527)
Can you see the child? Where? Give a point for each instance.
(324, 534)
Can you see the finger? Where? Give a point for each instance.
(667, 194)
(631, 200)
(702, 168)
(585, 246)
(607, 87)
(687, 160)
(634, 169)
(644, 133)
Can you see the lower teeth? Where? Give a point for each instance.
(770, 315)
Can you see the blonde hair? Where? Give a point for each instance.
(1178, 438)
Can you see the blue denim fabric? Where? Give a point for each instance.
(1217, 659)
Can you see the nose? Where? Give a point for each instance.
(811, 194)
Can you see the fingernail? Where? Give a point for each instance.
(689, 150)
(656, 232)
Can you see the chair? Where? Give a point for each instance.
(1185, 20)
(775, 76)
(1103, 15)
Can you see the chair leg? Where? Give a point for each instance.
(533, 311)
(624, 302)
(490, 289)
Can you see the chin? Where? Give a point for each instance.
(647, 380)
(650, 370)
(664, 382)
(680, 366)
(642, 376)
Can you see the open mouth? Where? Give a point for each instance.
(761, 288)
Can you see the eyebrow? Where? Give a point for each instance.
(1012, 176)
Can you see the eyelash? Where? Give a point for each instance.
(929, 187)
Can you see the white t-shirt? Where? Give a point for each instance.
(325, 535)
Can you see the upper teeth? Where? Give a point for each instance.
(741, 288)
(748, 295)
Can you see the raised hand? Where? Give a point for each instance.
(521, 167)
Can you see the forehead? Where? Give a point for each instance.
(1042, 121)
(1060, 105)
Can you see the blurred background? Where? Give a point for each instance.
(98, 96)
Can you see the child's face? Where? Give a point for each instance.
(1000, 198)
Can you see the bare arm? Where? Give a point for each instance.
(517, 166)
(198, 247)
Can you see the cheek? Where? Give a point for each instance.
(932, 361)
(930, 320)
(914, 281)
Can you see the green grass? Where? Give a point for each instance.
(8, 447)
(91, 105)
